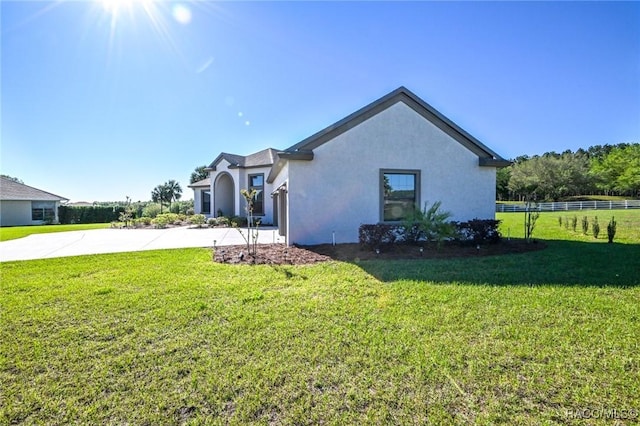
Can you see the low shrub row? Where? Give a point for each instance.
(476, 231)
(571, 222)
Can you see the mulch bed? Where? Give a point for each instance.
(280, 254)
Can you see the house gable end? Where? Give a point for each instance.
(304, 149)
(264, 158)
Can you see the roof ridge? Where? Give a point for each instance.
(401, 94)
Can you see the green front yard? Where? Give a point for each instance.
(11, 233)
(168, 337)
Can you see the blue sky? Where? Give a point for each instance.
(107, 99)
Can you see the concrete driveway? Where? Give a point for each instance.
(96, 241)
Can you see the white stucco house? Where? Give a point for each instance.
(373, 166)
(22, 204)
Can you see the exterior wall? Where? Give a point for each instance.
(197, 200)
(223, 167)
(18, 213)
(340, 188)
(268, 189)
(283, 179)
(15, 213)
(240, 178)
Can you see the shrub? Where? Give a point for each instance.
(566, 223)
(151, 210)
(595, 228)
(222, 221)
(574, 223)
(560, 221)
(142, 221)
(585, 225)
(160, 221)
(611, 229)
(170, 218)
(198, 220)
(238, 221)
(429, 224)
(379, 234)
(478, 231)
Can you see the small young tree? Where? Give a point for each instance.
(611, 229)
(252, 225)
(574, 223)
(585, 225)
(595, 228)
(126, 215)
(531, 215)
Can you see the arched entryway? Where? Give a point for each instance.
(223, 191)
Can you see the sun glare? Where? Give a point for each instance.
(114, 6)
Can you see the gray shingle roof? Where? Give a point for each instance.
(15, 191)
(265, 158)
(201, 183)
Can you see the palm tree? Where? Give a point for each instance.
(159, 195)
(173, 191)
(166, 193)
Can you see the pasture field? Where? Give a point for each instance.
(548, 225)
(14, 232)
(169, 337)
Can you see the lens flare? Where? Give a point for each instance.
(182, 14)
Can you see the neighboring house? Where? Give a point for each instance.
(80, 204)
(21, 204)
(376, 165)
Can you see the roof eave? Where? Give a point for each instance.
(493, 162)
(402, 94)
(303, 155)
(283, 157)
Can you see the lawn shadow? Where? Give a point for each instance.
(562, 263)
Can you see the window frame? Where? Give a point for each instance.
(417, 189)
(42, 211)
(204, 194)
(260, 189)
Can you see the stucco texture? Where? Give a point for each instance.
(340, 188)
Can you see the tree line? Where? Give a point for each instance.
(598, 170)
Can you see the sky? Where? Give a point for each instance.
(101, 100)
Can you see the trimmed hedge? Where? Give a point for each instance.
(380, 234)
(92, 214)
(476, 231)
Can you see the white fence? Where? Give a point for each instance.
(572, 206)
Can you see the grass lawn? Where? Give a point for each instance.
(548, 225)
(168, 337)
(14, 232)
